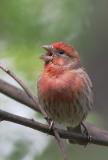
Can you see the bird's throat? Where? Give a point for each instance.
(54, 70)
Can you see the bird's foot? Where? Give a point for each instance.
(85, 132)
(50, 122)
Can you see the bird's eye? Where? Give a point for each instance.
(61, 52)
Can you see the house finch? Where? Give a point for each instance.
(64, 87)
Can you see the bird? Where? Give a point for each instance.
(64, 87)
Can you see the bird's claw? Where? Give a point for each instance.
(51, 125)
(50, 122)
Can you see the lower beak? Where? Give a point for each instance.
(46, 58)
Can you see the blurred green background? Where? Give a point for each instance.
(25, 25)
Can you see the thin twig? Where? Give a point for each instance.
(25, 88)
(28, 92)
(60, 143)
(17, 94)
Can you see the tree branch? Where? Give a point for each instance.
(99, 136)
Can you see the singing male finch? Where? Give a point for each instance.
(64, 87)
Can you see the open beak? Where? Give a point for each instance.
(47, 57)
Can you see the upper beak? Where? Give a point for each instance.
(47, 47)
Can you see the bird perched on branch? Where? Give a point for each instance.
(64, 87)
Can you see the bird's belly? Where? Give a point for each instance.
(64, 103)
(68, 114)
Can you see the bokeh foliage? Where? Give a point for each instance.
(27, 24)
(35, 21)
